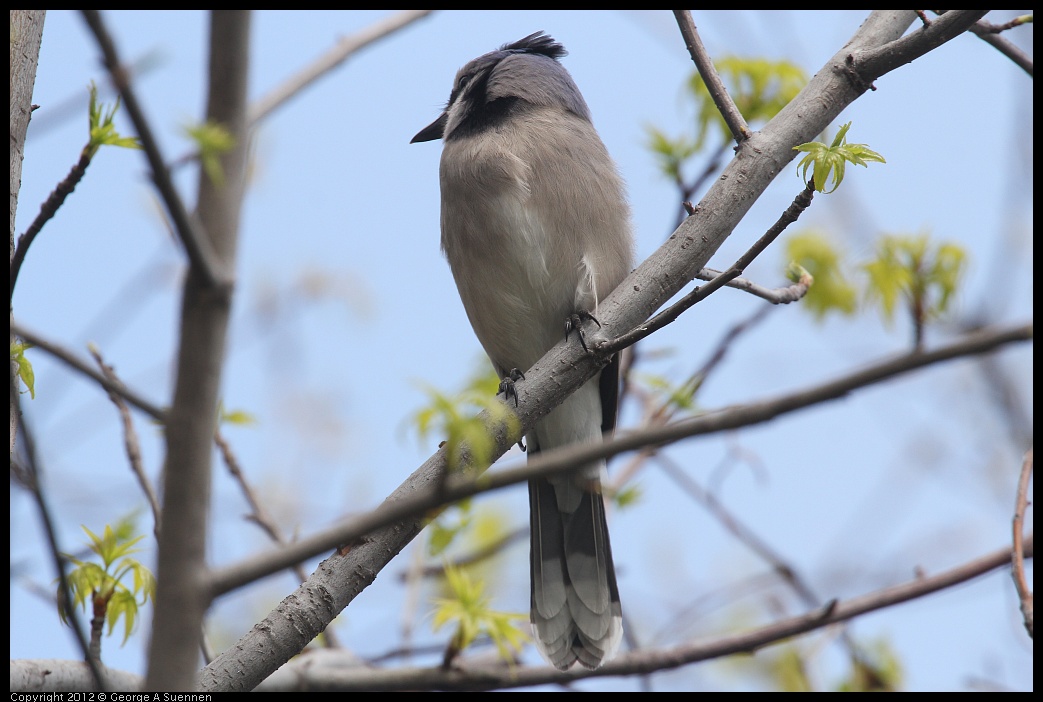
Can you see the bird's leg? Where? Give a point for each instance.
(575, 321)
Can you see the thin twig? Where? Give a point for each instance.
(799, 204)
(998, 28)
(197, 245)
(130, 440)
(983, 31)
(736, 123)
(472, 557)
(776, 296)
(667, 409)
(745, 535)
(1018, 570)
(258, 515)
(688, 190)
(344, 49)
(47, 210)
(69, 359)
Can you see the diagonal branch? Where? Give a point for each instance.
(345, 48)
(800, 203)
(71, 360)
(406, 508)
(727, 107)
(199, 249)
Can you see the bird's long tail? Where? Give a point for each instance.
(576, 615)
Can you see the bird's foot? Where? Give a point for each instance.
(507, 385)
(575, 321)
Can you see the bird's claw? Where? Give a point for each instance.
(507, 384)
(575, 321)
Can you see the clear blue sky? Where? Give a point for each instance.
(345, 308)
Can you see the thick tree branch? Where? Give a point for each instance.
(873, 61)
(26, 35)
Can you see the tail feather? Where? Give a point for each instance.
(576, 614)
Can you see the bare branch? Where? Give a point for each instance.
(51, 675)
(199, 249)
(984, 31)
(340, 53)
(776, 296)
(799, 204)
(1018, 570)
(871, 62)
(26, 37)
(346, 674)
(259, 515)
(69, 359)
(130, 441)
(47, 210)
(732, 117)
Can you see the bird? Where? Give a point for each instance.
(536, 227)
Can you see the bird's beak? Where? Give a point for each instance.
(433, 131)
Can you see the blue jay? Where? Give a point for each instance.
(536, 228)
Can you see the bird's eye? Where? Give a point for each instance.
(464, 80)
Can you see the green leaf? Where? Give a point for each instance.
(212, 140)
(457, 418)
(237, 417)
(102, 584)
(877, 668)
(101, 129)
(25, 368)
(629, 495)
(680, 397)
(468, 609)
(909, 268)
(828, 163)
(811, 253)
(450, 523)
(670, 153)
